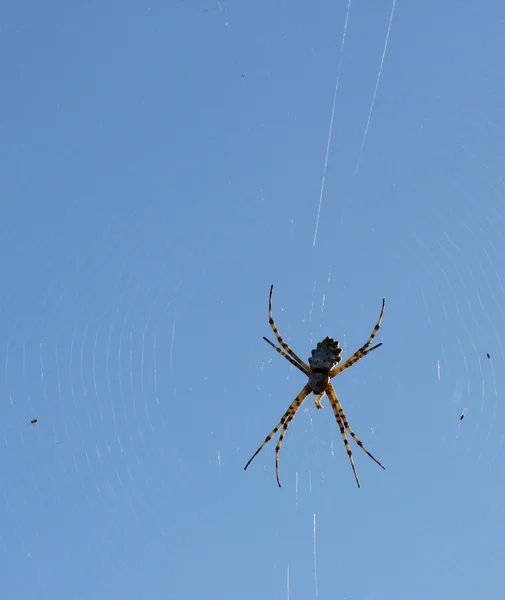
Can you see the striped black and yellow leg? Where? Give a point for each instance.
(279, 444)
(284, 422)
(364, 350)
(334, 399)
(293, 362)
(340, 424)
(299, 399)
(358, 355)
(278, 335)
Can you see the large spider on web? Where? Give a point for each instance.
(322, 369)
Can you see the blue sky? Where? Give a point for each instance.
(162, 166)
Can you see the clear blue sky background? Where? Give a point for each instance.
(161, 166)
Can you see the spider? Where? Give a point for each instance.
(322, 369)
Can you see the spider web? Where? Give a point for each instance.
(455, 252)
(84, 421)
(132, 315)
(447, 249)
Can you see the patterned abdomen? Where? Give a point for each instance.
(327, 354)
(324, 357)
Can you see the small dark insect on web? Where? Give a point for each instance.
(463, 414)
(33, 421)
(488, 355)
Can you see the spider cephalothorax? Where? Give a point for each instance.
(321, 369)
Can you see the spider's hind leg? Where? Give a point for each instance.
(299, 366)
(278, 335)
(364, 350)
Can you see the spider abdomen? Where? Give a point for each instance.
(326, 355)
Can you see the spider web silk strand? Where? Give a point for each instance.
(315, 560)
(331, 122)
(376, 87)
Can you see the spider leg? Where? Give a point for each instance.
(278, 335)
(288, 416)
(279, 443)
(341, 418)
(364, 350)
(293, 362)
(358, 355)
(340, 424)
